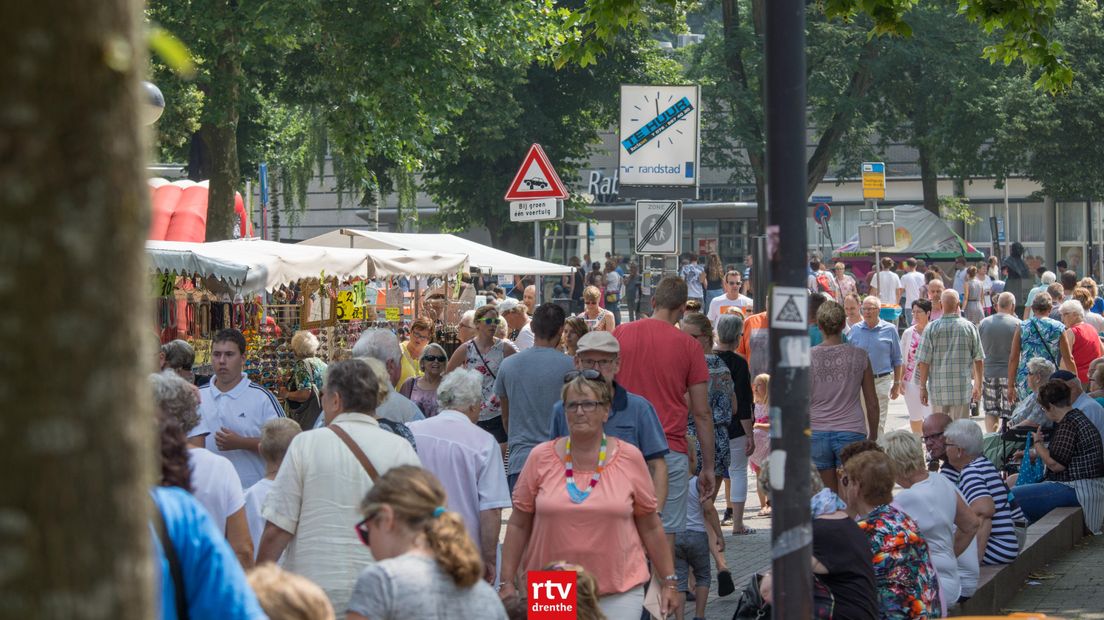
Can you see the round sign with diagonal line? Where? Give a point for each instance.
(657, 226)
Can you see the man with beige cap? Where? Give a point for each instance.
(631, 418)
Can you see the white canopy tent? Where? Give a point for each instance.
(487, 259)
(253, 265)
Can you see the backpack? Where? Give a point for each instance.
(824, 284)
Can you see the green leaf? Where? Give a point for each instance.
(172, 51)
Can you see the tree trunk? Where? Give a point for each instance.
(929, 179)
(77, 432)
(220, 130)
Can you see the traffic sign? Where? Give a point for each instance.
(873, 180)
(658, 226)
(538, 210)
(536, 178)
(822, 213)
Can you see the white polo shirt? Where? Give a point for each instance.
(244, 410)
(215, 484)
(468, 462)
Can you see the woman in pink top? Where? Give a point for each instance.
(839, 372)
(588, 499)
(1084, 342)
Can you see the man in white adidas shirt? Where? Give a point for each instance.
(232, 409)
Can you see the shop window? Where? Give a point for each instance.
(1071, 221)
(1032, 222)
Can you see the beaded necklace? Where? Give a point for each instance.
(573, 491)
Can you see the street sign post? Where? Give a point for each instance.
(873, 180)
(822, 213)
(536, 194)
(658, 226)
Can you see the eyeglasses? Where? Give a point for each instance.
(362, 530)
(434, 358)
(933, 436)
(586, 406)
(488, 320)
(598, 363)
(419, 337)
(586, 373)
(591, 303)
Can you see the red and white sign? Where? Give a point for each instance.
(536, 178)
(552, 595)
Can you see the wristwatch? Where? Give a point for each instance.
(672, 580)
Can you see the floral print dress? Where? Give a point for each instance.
(906, 582)
(722, 395)
(1038, 338)
(487, 365)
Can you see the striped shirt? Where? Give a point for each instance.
(980, 479)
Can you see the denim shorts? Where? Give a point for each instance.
(826, 447)
(692, 554)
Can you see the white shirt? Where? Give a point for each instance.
(216, 485)
(525, 338)
(254, 501)
(887, 284)
(396, 408)
(317, 494)
(723, 302)
(932, 503)
(613, 282)
(244, 410)
(912, 282)
(468, 462)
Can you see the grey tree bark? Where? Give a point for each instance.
(76, 429)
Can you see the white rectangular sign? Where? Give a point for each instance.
(789, 307)
(658, 226)
(535, 210)
(658, 139)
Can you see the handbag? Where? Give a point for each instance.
(1031, 470)
(751, 605)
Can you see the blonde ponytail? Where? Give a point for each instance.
(418, 499)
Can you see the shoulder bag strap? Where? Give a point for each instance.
(175, 570)
(1035, 326)
(483, 359)
(357, 452)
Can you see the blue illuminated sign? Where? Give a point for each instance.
(656, 126)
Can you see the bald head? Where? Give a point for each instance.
(949, 301)
(1006, 302)
(935, 290)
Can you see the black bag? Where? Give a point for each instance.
(751, 606)
(307, 412)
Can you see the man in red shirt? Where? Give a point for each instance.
(663, 365)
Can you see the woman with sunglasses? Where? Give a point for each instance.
(597, 318)
(422, 390)
(595, 496)
(426, 565)
(484, 354)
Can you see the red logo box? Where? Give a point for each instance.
(551, 595)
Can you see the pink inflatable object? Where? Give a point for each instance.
(180, 211)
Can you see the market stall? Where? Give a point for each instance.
(489, 260)
(270, 290)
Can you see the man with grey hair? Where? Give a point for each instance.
(517, 319)
(467, 460)
(1046, 280)
(996, 332)
(383, 345)
(179, 357)
(985, 493)
(949, 354)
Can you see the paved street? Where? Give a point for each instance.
(1071, 588)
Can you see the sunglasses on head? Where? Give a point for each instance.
(434, 358)
(587, 373)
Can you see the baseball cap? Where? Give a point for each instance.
(508, 305)
(1061, 375)
(602, 342)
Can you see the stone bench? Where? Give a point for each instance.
(1047, 539)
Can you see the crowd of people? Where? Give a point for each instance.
(377, 488)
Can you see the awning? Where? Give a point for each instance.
(254, 265)
(489, 260)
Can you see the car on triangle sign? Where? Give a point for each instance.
(536, 178)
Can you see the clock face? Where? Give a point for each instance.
(659, 135)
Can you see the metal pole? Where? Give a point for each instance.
(877, 245)
(537, 255)
(1007, 223)
(791, 525)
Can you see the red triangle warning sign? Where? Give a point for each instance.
(536, 178)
